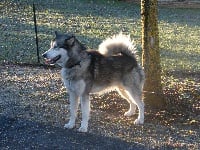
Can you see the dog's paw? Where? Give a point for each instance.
(69, 125)
(139, 121)
(82, 129)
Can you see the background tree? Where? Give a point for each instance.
(153, 94)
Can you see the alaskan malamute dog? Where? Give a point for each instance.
(113, 66)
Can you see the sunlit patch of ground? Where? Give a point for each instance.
(37, 94)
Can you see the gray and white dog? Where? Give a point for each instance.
(113, 66)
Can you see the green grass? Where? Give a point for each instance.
(179, 34)
(94, 21)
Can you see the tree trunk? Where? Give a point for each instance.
(153, 94)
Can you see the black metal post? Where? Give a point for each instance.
(36, 36)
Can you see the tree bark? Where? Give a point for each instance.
(153, 93)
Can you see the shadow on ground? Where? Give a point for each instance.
(24, 134)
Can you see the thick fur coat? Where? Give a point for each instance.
(113, 66)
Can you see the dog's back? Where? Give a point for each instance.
(106, 69)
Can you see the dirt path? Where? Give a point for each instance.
(33, 111)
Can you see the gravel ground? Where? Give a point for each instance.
(34, 109)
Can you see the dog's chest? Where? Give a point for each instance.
(77, 86)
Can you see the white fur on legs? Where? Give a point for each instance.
(135, 98)
(131, 110)
(85, 109)
(124, 94)
(140, 119)
(73, 110)
(70, 125)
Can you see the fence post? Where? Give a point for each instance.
(36, 36)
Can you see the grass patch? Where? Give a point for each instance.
(94, 21)
(179, 32)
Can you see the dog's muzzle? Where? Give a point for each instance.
(51, 60)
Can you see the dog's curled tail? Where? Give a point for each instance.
(118, 44)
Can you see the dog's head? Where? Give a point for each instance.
(65, 50)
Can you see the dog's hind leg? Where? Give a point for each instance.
(85, 109)
(132, 108)
(135, 97)
(74, 101)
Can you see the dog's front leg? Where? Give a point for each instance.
(85, 108)
(74, 101)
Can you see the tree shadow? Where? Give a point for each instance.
(181, 16)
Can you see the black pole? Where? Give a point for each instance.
(36, 36)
